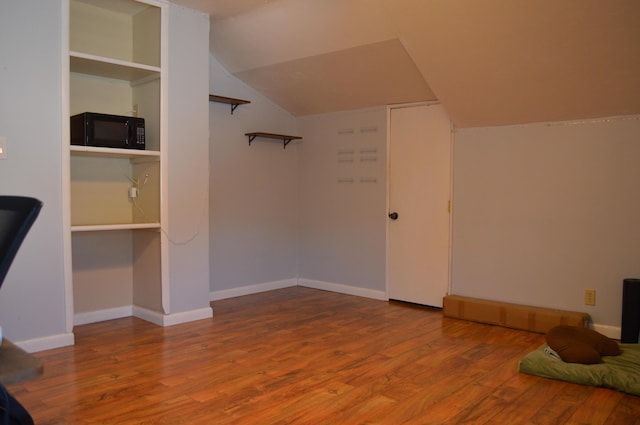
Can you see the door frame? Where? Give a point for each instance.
(388, 189)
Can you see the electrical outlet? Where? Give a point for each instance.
(590, 297)
(3, 147)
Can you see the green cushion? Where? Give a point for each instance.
(620, 372)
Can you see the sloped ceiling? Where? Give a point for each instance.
(489, 62)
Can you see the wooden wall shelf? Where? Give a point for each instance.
(228, 100)
(285, 139)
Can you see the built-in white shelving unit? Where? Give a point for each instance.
(107, 227)
(115, 195)
(112, 152)
(110, 68)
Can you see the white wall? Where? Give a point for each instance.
(253, 191)
(188, 150)
(543, 211)
(32, 299)
(343, 215)
(280, 214)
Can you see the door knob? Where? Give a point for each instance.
(393, 216)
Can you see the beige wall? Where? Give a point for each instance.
(543, 211)
(343, 194)
(253, 190)
(32, 298)
(187, 200)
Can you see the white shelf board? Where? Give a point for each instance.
(110, 68)
(111, 227)
(78, 150)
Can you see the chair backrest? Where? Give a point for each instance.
(17, 214)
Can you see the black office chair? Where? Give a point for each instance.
(17, 214)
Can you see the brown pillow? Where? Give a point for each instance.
(580, 345)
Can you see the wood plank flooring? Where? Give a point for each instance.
(304, 356)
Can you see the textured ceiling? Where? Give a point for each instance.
(222, 9)
(490, 62)
(374, 74)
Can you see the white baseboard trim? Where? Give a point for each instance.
(102, 315)
(161, 319)
(614, 332)
(251, 289)
(344, 289)
(46, 343)
(142, 313)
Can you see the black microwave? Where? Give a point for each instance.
(108, 131)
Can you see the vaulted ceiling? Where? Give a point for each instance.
(489, 62)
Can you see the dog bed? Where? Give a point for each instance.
(621, 372)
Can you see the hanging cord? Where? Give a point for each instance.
(140, 185)
(202, 216)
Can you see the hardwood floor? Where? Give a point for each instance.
(304, 356)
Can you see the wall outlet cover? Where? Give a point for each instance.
(590, 297)
(3, 147)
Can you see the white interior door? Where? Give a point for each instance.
(419, 193)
